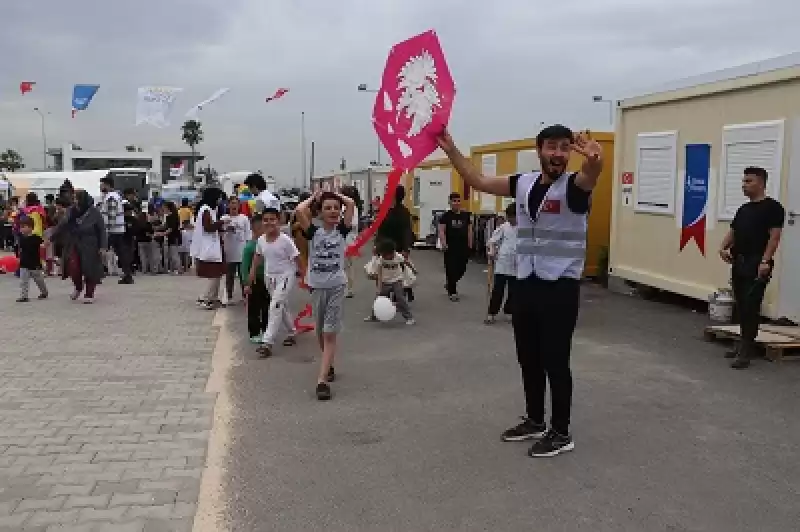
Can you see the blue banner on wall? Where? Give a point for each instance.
(695, 195)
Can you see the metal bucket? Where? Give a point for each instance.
(720, 306)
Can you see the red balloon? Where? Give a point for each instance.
(9, 264)
(392, 181)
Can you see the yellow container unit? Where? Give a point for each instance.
(517, 156)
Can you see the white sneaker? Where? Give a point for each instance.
(410, 321)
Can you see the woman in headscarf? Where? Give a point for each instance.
(83, 233)
(207, 246)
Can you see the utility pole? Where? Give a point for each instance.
(303, 143)
(44, 139)
(311, 174)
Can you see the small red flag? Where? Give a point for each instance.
(26, 86)
(278, 94)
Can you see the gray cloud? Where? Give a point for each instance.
(515, 64)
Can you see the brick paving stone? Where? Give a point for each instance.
(106, 427)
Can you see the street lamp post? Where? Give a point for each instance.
(600, 99)
(303, 145)
(364, 88)
(44, 139)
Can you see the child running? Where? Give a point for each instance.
(255, 290)
(326, 276)
(390, 277)
(278, 256)
(30, 260)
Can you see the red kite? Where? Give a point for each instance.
(278, 94)
(26, 86)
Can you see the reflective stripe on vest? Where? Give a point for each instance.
(550, 245)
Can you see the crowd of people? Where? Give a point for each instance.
(537, 259)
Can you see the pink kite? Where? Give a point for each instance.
(415, 99)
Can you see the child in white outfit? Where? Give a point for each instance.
(278, 255)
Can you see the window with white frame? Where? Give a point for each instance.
(756, 144)
(656, 172)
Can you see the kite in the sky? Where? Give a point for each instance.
(193, 112)
(82, 96)
(26, 86)
(278, 94)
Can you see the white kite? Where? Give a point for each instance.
(155, 104)
(192, 114)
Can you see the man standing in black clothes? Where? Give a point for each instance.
(749, 247)
(552, 221)
(455, 236)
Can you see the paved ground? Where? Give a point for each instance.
(104, 421)
(668, 438)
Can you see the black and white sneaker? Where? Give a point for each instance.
(552, 444)
(527, 430)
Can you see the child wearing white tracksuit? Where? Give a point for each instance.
(278, 255)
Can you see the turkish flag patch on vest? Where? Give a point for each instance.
(552, 206)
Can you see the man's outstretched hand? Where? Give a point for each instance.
(592, 152)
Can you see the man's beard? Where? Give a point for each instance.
(547, 167)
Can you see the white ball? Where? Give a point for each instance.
(383, 308)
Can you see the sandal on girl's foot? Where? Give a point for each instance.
(331, 375)
(264, 351)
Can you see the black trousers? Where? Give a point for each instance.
(455, 266)
(258, 308)
(231, 273)
(498, 291)
(748, 293)
(123, 247)
(544, 316)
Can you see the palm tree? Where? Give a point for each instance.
(192, 134)
(11, 160)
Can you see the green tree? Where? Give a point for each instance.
(11, 160)
(192, 134)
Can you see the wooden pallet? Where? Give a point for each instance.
(777, 341)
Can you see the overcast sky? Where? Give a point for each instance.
(515, 66)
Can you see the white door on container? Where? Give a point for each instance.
(789, 298)
(434, 191)
(378, 186)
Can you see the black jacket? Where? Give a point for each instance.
(397, 228)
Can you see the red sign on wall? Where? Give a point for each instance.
(627, 178)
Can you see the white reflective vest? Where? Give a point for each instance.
(551, 242)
